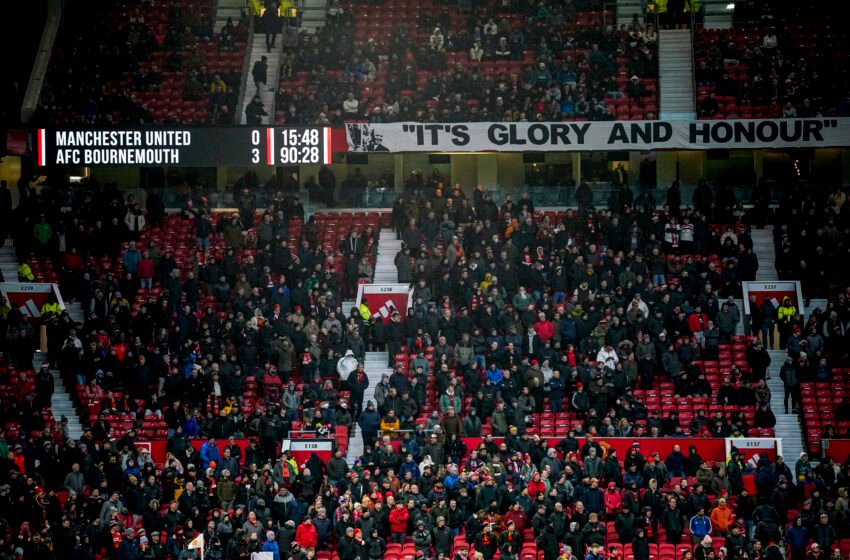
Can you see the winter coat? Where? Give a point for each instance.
(398, 520)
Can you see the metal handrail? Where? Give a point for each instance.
(246, 71)
(693, 71)
(605, 6)
(35, 84)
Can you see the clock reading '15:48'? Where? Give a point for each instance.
(291, 146)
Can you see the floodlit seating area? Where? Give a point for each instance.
(776, 63)
(421, 60)
(144, 63)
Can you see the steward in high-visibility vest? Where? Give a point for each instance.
(287, 9)
(785, 319)
(25, 273)
(365, 313)
(51, 307)
(786, 312)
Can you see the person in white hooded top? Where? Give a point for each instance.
(346, 365)
(608, 356)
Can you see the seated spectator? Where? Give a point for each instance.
(709, 106)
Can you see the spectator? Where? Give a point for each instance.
(260, 72)
(255, 111)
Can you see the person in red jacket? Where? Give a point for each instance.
(272, 384)
(306, 535)
(72, 261)
(19, 459)
(613, 501)
(536, 486)
(517, 515)
(145, 271)
(544, 328)
(697, 323)
(398, 522)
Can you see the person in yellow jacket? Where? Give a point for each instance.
(51, 308)
(365, 312)
(366, 316)
(785, 319)
(287, 9)
(25, 273)
(390, 423)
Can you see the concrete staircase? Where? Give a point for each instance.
(9, 262)
(75, 310)
(257, 51)
(388, 247)
(227, 9)
(375, 366)
(787, 425)
(765, 250)
(676, 72)
(313, 15)
(626, 9)
(814, 304)
(375, 363)
(61, 404)
(716, 15)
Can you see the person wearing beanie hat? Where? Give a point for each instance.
(422, 539)
(375, 545)
(271, 545)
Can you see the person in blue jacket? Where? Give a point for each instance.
(370, 423)
(797, 539)
(409, 466)
(209, 453)
(700, 525)
(271, 545)
(495, 375)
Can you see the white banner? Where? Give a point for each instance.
(607, 135)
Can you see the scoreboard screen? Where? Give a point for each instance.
(187, 147)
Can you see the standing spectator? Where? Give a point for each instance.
(255, 111)
(271, 26)
(260, 72)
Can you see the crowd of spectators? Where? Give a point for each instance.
(505, 62)
(517, 315)
(810, 240)
(139, 62)
(19, 49)
(782, 65)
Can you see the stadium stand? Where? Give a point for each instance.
(206, 374)
(809, 244)
(19, 49)
(779, 65)
(419, 60)
(129, 62)
(538, 340)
